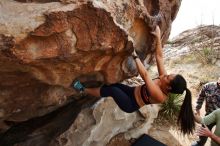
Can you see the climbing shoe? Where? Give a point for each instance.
(78, 86)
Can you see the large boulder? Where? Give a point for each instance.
(46, 44)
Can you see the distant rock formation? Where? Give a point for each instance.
(204, 37)
(46, 44)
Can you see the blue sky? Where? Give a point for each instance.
(196, 12)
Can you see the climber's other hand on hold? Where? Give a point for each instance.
(156, 32)
(134, 54)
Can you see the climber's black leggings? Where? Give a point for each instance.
(122, 94)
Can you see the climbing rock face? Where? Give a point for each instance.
(46, 44)
(96, 126)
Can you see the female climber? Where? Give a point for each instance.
(130, 99)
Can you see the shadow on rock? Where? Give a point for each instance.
(42, 130)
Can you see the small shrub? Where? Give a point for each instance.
(206, 55)
(204, 47)
(170, 109)
(207, 51)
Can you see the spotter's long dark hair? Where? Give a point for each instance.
(186, 117)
